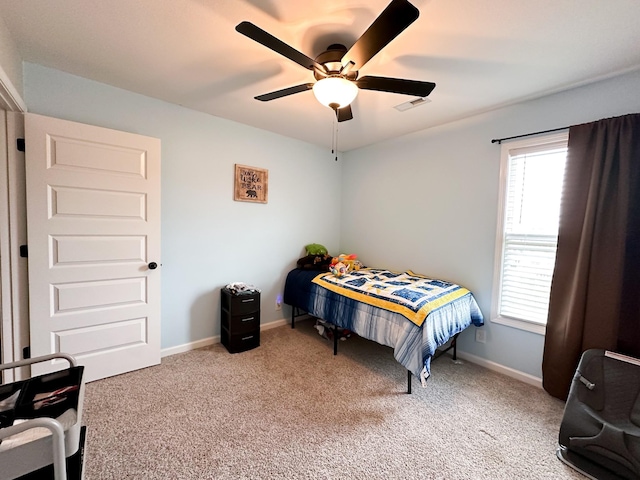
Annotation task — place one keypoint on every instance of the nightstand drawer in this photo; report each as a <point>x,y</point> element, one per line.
<point>245,323</point>
<point>241,342</point>
<point>241,304</point>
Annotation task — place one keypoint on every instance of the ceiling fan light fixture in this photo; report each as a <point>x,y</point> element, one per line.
<point>335,92</point>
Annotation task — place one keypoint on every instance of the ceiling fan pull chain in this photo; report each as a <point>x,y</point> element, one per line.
<point>334,140</point>
<point>333,137</point>
<point>336,149</point>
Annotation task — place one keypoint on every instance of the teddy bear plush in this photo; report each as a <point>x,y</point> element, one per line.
<point>315,262</point>
<point>317,258</point>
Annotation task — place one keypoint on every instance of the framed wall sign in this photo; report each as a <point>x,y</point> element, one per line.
<point>251,184</point>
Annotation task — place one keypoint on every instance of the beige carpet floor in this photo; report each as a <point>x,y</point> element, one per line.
<point>291,410</point>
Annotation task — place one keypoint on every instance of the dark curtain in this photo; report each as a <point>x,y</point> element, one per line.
<point>595,293</point>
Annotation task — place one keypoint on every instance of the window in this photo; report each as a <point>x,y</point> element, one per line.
<point>531,174</point>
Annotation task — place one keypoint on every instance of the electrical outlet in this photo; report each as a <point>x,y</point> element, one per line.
<point>278,303</point>
<point>481,336</point>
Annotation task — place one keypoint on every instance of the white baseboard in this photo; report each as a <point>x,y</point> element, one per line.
<point>496,367</point>
<point>205,342</point>
<point>274,324</point>
<point>186,347</point>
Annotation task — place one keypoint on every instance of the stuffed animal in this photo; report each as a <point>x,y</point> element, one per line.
<point>338,269</point>
<point>315,262</point>
<point>317,258</point>
<point>348,260</point>
<point>343,264</point>
<point>316,249</point>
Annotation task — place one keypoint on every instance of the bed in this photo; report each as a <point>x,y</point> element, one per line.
<point>410,313</point>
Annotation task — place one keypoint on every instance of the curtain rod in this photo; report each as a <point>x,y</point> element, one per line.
<point>500,140</point>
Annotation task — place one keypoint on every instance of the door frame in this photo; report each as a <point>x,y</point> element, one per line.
<point>14,327</point>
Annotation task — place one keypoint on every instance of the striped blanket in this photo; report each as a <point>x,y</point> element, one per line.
<point>409,294</point>
<point>413,346</point>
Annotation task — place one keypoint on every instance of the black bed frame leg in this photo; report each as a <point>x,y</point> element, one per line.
<point>293,317</point>
<point>455,347</point>
<point>409,381</point>
<point>335,340</point>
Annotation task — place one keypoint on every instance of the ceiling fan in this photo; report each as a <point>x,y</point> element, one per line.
<point>336,69</point>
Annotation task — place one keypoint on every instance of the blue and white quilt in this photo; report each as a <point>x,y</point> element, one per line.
<point>411,295</point>
<point>413,346</point>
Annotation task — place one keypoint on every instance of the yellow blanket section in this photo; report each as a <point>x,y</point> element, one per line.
<point>374,291</point>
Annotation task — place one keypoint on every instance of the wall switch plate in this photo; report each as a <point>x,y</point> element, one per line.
<point>481,336</point>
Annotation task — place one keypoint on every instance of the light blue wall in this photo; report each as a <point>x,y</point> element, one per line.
<point>428,201</point>
<point>208,239</point>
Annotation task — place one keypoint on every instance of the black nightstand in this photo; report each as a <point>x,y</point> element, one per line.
<point>240,317</point>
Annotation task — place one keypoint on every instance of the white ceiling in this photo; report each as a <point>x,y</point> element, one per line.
<point>481,54</point>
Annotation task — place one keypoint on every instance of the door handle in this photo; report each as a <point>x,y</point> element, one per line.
<point>152,266</point>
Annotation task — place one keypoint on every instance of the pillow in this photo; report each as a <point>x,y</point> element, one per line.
<point>316,249</point>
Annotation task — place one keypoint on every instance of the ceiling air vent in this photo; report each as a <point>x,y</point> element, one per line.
<point>412,104</point>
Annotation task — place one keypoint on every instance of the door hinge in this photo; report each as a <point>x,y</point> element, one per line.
<point>20,144</point>
<point>26,353</point>
<point>24,251</point>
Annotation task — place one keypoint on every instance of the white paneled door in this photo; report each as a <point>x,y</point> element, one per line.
<point>93,219</point>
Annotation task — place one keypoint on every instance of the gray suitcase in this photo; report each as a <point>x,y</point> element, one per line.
<point>600,429</point>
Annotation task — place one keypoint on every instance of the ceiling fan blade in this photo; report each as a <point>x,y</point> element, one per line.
<point>254,32</point>
<point>344,113</point>
<point>396,85</point>
<point>284,92</point>
<point>398,15</point>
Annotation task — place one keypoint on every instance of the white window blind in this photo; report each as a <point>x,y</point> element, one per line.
<point>530,230</point>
